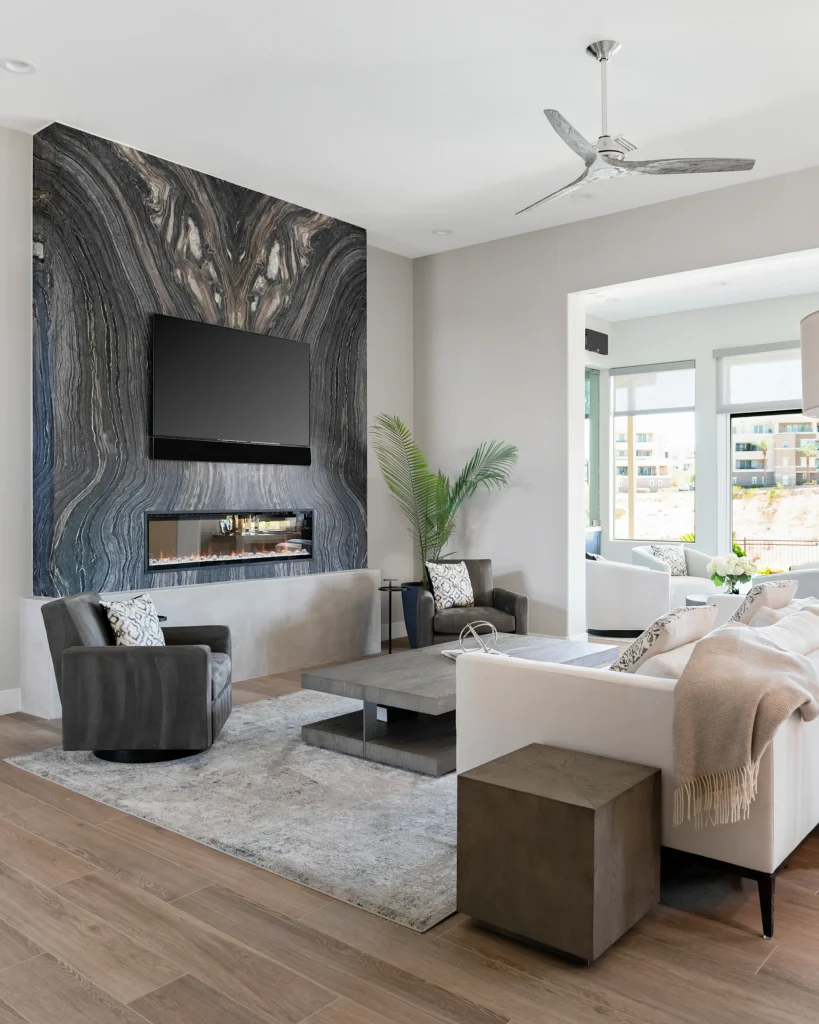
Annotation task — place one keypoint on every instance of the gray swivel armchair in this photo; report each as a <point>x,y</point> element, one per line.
<point>507,612</point>
<point>135,704</point>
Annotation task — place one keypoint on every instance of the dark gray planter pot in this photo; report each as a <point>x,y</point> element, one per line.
<point>409,599</point>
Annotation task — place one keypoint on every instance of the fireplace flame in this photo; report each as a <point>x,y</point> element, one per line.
<point>249,537</point>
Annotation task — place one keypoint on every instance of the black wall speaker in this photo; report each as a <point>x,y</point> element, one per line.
<point>596,341</point>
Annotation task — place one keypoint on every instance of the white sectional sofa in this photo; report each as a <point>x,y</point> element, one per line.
<point>505,703</point>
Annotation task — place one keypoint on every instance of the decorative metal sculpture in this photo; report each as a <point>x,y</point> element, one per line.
<point>485,643</point>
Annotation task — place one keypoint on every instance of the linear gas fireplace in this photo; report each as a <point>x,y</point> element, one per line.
<point>197,540</point>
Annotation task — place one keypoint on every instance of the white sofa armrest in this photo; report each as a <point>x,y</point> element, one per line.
<point>642,555</point>
<point>622,598</point>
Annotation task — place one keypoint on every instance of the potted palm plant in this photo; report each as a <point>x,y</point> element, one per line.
<point>429,500</point>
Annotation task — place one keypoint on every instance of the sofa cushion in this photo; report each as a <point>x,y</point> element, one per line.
<point>798,633</point>
<point>768,616</point>
<point>451,585</point>
<point>135,622</point>
<point>668,665</point>
<point>219,674</point>
<point>776,594</point>
<point>673,555</point>
<point>677,628</point>
<point>453,620</point>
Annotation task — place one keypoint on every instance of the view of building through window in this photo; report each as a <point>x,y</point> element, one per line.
<point>775,477</point>
<point>654,476</point>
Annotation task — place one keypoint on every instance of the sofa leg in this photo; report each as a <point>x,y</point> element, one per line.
<point>143,756</point>
<point>767,894</point>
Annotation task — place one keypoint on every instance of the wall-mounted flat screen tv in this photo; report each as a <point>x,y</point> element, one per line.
<point>224,395</point>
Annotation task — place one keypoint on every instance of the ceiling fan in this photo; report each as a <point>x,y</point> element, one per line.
<point>607,159</point>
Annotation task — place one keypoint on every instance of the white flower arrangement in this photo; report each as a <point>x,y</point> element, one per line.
<point>731,569</point>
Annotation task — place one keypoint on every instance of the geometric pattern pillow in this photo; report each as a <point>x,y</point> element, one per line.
<point>135,622</point>
<point>776,594</point>
<point>451,585</point>
<point>676,629</point>
<point>673,555</point>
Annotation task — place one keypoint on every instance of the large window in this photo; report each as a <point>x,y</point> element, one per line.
<point>774,455</point>
<point>654,457</point>
<point>775,503</point>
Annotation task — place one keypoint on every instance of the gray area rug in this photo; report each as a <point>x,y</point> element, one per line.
<point>374,836</point>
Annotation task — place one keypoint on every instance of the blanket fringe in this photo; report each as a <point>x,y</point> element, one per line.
<point>719,799</point>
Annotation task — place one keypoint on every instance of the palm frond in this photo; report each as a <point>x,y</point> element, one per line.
<point>491,465</point>
<point>442,521</point>
<point>407,474</point>
<point>430,501</point>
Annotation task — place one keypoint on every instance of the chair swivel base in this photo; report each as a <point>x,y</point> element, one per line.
<point>143,756</point>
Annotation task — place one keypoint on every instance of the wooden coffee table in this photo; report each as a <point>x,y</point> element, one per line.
<point>408,715</point>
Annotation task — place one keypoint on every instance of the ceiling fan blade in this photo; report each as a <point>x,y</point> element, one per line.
<point>560,192</point>
<point>572,137</point>
<point>691,165</point>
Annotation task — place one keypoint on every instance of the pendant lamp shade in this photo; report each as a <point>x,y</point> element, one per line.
<point>810,364</point>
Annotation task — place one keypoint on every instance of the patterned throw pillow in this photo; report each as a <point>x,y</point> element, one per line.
<point>135,622</point>
<point>776,594</point>
<point>680,627</point>
<point>451,585</point>
<point>673,555</point>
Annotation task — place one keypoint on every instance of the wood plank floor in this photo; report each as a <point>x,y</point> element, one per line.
<point>106,919</point>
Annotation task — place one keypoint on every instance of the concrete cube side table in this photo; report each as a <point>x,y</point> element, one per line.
<point>558,847</point>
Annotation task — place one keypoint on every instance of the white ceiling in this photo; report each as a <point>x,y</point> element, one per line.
<point>409,115</point>
<point>770,278</point>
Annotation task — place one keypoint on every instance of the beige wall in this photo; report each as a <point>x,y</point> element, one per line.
<point>389,390</point>
<point>499,352</point>
<point>15,396</point>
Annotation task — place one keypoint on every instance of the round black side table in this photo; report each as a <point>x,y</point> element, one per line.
<point>390,587</point>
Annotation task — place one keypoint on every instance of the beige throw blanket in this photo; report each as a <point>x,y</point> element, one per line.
<point>736,690</point>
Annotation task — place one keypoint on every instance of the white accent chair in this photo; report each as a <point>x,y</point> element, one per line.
<point>505,703</point>
<point>696,581</point>
<point>622,600</point>
<point>806,576</point>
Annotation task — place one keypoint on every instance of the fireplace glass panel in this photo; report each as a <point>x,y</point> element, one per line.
<point>180,540</point>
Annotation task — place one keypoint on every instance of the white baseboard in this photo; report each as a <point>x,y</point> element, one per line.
<point>398,629</point>
<point>9,701</point>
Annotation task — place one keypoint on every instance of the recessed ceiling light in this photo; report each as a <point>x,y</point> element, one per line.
<point>442,231</point>
<point>17,66</point>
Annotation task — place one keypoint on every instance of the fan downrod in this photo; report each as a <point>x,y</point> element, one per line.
<point>603,49</point>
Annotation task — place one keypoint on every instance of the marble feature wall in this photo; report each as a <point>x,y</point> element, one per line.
<point>120,235</point>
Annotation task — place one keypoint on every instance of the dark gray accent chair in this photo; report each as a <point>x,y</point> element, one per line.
<point>507,612</point>
<point>137,703</point>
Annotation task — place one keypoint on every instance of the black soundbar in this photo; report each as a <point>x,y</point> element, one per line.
<point>186,449</point>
